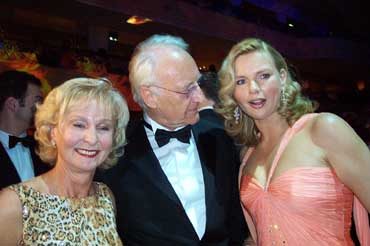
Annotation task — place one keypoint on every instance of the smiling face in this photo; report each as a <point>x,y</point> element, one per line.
<point>84,137</point>
<point>258,85</point>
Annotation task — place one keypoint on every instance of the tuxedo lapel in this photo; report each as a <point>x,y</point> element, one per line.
<point>146,161</point>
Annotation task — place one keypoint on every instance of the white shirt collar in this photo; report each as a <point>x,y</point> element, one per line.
<point>155,125</point>
<point>4,137</point>
<point>205,107</point>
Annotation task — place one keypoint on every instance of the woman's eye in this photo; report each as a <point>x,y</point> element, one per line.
<point>240,81</point>
<point>104,128</point>
<point>265,76</point>
<point>78,125</point>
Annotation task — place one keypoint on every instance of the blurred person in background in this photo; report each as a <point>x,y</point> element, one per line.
<point>19,94</point>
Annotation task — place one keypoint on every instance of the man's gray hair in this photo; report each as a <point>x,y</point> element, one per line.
<point>143,61</point>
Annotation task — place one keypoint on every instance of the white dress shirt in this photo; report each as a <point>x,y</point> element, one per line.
<point>205,107</point>
<point>20,156</point>
<point>181,164</point>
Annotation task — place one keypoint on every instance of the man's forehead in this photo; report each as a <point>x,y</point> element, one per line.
<point>176,57</point>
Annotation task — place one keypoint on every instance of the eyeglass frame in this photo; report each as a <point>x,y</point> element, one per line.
<point>189,91</point>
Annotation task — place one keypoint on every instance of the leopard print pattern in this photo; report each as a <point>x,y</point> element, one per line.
<point>59,221</point>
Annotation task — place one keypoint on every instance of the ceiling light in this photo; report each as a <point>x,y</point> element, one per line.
<point>137,20</point>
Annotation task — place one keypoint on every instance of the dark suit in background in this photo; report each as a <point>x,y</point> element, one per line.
<point>8,172</point>
<point>212,117</point>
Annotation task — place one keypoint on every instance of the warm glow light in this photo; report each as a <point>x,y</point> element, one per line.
<point>291,25</point>
<point>360,85</point>
<point>137,20</point>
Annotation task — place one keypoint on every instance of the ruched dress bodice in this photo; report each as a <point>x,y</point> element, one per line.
<point>304,206</point>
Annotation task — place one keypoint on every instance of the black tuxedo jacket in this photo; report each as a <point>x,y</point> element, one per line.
<point>8,173</point>
<point>148,209</point>
<point>212,117</point>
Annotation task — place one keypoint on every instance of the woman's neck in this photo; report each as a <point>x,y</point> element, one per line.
<point>64,183</point>
<point>272,129</point>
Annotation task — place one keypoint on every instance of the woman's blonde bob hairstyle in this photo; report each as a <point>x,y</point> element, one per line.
<point>294,105</point>
<point>61,101</point>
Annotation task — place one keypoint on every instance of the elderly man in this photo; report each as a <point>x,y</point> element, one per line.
<point>19,93</point>
<point>177,181</point>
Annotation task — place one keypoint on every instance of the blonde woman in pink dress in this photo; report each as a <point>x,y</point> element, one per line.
<point>302,173</point>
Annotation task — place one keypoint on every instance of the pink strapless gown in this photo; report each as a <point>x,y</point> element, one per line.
<point>303,206</point>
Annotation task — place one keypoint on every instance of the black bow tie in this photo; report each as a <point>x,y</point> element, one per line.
<point>163,137</point>
<point>26,141</point>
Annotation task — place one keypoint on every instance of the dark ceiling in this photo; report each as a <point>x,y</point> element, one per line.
<point>317,18</point>
<point>70,19</point>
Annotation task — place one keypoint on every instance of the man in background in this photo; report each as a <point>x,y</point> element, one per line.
<point>209,85</point>
<point>19,93</point>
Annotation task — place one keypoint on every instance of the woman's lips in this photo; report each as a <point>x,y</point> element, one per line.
<point>257,103</point>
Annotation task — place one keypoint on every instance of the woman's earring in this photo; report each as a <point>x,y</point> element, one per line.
<point>53,144</point>
<point>283,98</point>
<point>237,115</point>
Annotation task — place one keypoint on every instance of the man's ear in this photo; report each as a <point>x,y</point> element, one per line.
<point>149,98</point>
<point>11,104</point>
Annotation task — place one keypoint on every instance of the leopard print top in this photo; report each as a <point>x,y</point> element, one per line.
<point>59,221</point>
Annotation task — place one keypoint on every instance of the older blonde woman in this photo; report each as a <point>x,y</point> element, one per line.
<point>80,126</point>
<point>300,171</point>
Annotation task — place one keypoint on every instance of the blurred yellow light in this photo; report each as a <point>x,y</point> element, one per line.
<point>137,20</point>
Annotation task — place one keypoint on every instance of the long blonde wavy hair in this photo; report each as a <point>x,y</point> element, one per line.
<point>244,131</point>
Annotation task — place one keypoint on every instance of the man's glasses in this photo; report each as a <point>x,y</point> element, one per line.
<point>189,92</point>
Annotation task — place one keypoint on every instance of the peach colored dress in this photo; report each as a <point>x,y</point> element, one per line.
<point>303,206</point>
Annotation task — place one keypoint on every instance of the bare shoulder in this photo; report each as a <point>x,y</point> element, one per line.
<point>328,129</point>
<point>10,217</point>
<point>9,201</point>
<point>10,205</point>
<point>327,123</point>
